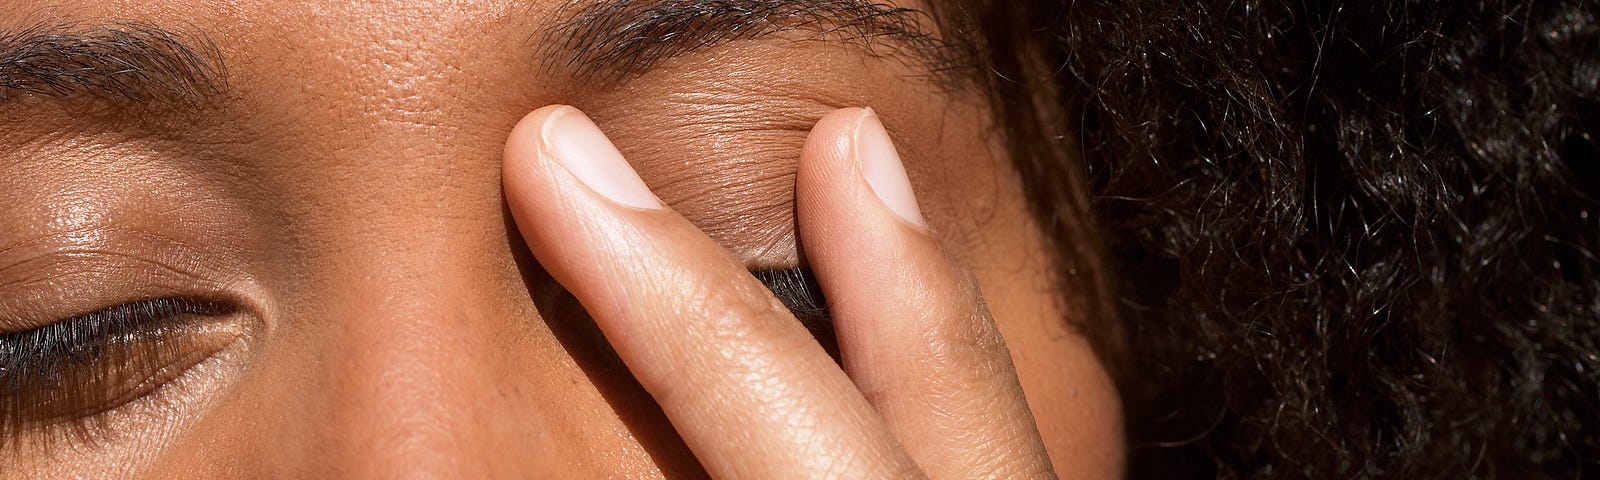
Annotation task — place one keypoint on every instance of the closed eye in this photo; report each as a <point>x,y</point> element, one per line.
<point>69,373</point>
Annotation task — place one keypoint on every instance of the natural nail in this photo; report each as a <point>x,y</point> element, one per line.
<point>586,152</point>
<point>881,166</point>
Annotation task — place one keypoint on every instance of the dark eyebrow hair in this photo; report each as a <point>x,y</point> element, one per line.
<point>119,64</point>
<point>613,39</point>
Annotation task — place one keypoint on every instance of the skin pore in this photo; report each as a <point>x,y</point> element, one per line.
<point>339,188</point>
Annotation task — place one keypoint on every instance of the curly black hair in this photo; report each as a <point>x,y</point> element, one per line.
<point>1346,239</point>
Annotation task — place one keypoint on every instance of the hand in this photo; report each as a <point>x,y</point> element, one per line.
<point>928,387</point>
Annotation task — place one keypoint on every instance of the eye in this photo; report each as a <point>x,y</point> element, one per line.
<point>70,373</point>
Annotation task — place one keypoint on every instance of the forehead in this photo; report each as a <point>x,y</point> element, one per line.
<point>404,58</point>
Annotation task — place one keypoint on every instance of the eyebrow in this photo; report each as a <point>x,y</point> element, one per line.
<point>142,65</point>
<point>119,64</point>
<point>614,39</point>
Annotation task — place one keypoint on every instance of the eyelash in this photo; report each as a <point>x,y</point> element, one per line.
<point>65,377</point>
<point>797,288</point>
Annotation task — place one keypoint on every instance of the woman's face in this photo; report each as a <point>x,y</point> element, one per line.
<point>324,177</point>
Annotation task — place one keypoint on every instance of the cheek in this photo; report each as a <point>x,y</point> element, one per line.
<point>1073,399</point>
<point>1071,394</point>
<point>975,202</point>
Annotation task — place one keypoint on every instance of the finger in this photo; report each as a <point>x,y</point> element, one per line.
<point>913,331</point>
<point>748,388</point>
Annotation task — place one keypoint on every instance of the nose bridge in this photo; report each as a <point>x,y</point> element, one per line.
<point>423,361</point>
<point>416,352</point>
<point>424,328</point>
<point>422,347</point>
<point>409,380</point>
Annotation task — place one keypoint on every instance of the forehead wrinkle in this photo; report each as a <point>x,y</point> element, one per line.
<point>615,39</point>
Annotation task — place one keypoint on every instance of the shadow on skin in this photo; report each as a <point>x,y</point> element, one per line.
<point>586,344</point>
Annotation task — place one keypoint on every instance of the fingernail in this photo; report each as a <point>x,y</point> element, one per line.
<point>881,166</point>
<point>585,151</point>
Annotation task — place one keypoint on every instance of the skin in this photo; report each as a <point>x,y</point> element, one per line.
<point>399,263</point>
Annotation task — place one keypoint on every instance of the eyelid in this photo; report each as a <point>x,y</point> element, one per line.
<point>724,162</point>
<point>85,337</point>
<point>718,137</point>
<point>57,277</point>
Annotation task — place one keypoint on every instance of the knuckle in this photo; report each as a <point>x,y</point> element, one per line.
<point>740,310</point>
<point>966,337</point>
<point>953,315</point>
<point>740,319</point>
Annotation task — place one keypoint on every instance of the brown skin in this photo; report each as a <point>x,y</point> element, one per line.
<point>392,324</point>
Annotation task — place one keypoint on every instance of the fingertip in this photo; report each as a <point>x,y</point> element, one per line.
<point>565,136</point>
<point>829,145</point>
<point>523,144</point>
<point>880,165</point>
<point>851,169</point>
